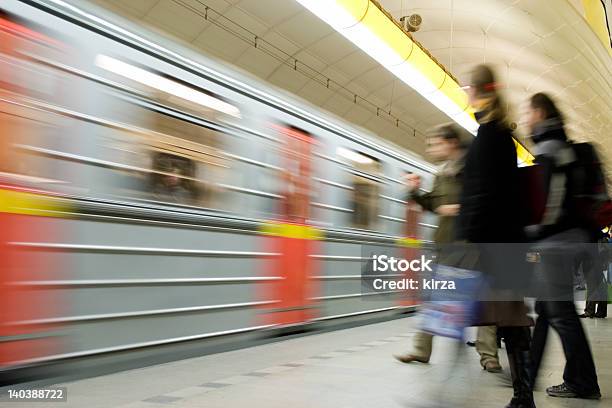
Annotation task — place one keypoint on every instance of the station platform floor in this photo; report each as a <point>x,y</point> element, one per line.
<point>346,368</point>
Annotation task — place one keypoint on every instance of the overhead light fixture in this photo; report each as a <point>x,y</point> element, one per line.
<point>353,156</point>
<point>166,85</point>
<point>366,26</point>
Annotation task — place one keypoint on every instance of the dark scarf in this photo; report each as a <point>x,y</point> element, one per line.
<point>549,129</point>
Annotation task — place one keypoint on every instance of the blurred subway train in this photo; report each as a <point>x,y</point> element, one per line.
<point>152,198</point>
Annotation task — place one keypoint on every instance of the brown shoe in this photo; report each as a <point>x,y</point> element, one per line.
<point>409,358</point>
<point>492,366</point>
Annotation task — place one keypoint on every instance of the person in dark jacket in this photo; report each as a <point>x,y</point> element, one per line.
<point>490,222</point>
<point>445,145</point>
<point>596,285</point>
<point>561,238</point>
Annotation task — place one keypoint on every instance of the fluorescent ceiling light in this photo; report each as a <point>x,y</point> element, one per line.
<point>331,12</point>
<point>164,84</point>
<point>353,156</point>
<point>368,28</point>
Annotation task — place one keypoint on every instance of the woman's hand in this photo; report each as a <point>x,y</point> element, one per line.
<point>413,181</point>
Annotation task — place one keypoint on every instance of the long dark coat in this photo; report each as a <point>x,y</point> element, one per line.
<point>489,218</point>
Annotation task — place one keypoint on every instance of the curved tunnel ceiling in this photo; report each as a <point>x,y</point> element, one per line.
<point>535,45</point>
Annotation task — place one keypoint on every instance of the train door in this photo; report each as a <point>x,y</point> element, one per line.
<point>291,237</point>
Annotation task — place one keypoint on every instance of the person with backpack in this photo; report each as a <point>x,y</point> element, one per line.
<point>444,145</point>
<point>561,237</point>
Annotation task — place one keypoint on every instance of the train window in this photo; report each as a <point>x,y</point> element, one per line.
<point>24,84</point>
<point>177,91</point>
<point>365,180</point>
<point>172,178</point>
<point>185,161</point>
<point>175,160</point>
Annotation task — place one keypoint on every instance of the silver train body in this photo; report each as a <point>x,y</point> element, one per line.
<point>136,269</point>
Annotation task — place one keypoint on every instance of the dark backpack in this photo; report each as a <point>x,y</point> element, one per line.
<point>532,201</point>
<point>591,198</point>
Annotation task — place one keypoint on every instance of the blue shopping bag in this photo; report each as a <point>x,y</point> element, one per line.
<point>447,312</point>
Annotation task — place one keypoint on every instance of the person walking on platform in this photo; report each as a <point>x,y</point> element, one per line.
<point>593,268</point>
<point>561,238</point>
<point>490,223</point>
<point>445,145</point>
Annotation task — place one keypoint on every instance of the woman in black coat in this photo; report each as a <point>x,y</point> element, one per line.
<point>490,220</point>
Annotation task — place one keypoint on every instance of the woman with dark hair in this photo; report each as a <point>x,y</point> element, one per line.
<point>490,222</point>
<point>561,240</point>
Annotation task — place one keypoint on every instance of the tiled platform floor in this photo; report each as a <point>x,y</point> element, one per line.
<point>348,368</point>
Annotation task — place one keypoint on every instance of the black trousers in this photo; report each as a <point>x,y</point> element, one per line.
<point>579,373</point>
<point>593,266</point>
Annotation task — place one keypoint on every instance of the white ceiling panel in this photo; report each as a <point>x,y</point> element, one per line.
<point>314,93</point>
<point>378,77</point>
<point>355,65</point>
<point>295,29</point>
<point>257,62</point>
<point>135,8</point>
<point>338,104</point>
<point>245,21</point>
<point>358,115</point>
<point>285,78</point>
<point>332,48</point>
<point>222,43</point>
<point>165,15</point>
<point>280,42</point>
<point>308,59</point>
<point>271,12</point>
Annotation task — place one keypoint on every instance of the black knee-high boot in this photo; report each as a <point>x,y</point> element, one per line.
<point>519,357</point>
<point>520,361</point>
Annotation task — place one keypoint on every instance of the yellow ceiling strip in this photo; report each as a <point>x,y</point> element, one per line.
<point>595,15</point>
<point>391,35</point>
<point>426,66</point>
<point>431,76</point>
<point>454,92</point>
<point>356,8</point>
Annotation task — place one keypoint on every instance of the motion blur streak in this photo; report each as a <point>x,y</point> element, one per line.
<point>165,85</point>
